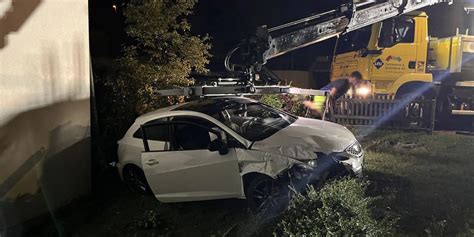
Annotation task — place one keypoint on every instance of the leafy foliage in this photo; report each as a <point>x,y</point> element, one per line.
<point>273,100</point>
<point>339,209</point>
<point>152,220</point>
<point>290,103</point>
<point>163,52</point>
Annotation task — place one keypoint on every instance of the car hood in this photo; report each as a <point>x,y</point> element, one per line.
<point>302,139</point>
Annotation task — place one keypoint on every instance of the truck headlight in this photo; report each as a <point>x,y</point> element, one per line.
<point>363,91</point>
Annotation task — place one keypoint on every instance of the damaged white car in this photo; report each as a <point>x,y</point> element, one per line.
<point>221,148</point>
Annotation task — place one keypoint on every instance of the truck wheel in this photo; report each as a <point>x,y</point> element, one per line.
<point>445,119</point>
<point>408,94</point>
<point>267,195</point>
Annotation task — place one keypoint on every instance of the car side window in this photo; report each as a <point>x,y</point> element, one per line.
<point>155,133</point>
<point>183,133</point>
<point>192,137</point>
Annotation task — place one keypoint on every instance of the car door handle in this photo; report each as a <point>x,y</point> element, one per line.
<point>152,162</point>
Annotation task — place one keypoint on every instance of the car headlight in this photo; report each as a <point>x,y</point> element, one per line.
<point>311,163</point>
<point>355,149</point>
<point>308,165</point>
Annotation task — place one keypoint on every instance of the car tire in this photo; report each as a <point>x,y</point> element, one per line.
<point>266,195</point>
<point>135,180</point>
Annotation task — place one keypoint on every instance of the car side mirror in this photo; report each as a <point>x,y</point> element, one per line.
<point>220,146</point>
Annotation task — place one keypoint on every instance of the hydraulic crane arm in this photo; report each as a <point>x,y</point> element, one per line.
<point>276,41</point>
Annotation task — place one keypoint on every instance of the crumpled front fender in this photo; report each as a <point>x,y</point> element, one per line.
<point>263,162</point>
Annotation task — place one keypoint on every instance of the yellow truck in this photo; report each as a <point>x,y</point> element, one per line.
<point>399,58</point>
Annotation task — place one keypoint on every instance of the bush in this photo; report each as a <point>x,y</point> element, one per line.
<point>290,103</point>
<point>152,220</point>
<point>339,209</point>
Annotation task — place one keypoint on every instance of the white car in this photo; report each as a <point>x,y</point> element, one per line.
<point>233,147</point>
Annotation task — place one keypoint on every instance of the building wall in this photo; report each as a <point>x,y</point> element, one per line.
<point>301,79</point>
<point>44,107</point>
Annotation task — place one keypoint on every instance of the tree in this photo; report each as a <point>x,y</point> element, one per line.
<point>163,51</point>
<point>161,54</point>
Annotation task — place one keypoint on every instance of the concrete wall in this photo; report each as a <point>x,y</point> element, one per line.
<point>44,107</point>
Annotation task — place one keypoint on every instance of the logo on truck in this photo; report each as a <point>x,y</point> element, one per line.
<point>395,58</point>
<point>378,63</point>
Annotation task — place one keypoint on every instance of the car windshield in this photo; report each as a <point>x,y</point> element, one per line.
<point>252,120</point>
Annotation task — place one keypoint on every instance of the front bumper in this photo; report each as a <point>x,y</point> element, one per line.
<point>338,164</point>
<point>354,165</point>
<point>326,167</point>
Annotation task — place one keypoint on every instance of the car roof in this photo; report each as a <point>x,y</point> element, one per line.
<point>152,114</point>
<point>192,106</point>
<point>206,104</point>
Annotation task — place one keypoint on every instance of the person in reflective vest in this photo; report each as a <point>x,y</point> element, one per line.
<point>335,89</point>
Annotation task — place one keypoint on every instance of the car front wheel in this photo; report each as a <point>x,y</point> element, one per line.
<point>135,180</point>
<point>268,196</point>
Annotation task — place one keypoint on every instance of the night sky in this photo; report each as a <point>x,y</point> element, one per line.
<point>230,21</point>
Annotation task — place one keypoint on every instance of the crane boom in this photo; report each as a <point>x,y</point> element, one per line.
<point>348,17</point>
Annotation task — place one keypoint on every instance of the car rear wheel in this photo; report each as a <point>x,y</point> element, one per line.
<point>135,180</point>
<point>267,195</point>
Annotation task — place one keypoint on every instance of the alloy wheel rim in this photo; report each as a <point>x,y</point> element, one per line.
<point>135,182</point>
<point>268,195</point>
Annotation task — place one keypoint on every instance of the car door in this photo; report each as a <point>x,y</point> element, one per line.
<point>187,170</point>
<point>398,44</point>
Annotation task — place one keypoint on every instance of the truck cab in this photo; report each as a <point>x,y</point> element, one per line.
<point>390,54</point>
<point>400,59</point>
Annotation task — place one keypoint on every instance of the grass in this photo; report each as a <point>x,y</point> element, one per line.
<point>427,181</point>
